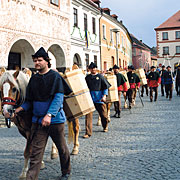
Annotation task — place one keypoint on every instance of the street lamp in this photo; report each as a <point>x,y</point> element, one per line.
<point>115,30</point>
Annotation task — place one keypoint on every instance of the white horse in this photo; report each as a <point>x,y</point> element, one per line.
<point>13,89</point>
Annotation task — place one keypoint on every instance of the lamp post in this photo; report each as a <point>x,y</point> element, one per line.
<point>116,31</point>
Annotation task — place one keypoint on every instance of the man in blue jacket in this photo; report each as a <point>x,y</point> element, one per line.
<point>98,87</point>
<point>45,95</point>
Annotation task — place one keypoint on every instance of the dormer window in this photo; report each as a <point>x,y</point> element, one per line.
<point>55,2</point>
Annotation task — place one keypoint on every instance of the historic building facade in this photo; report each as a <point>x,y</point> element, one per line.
<point>168,41</point>
<point>85,48</point>
<point>115,42</point>
<point>141,55</point>
<point>26,25</point>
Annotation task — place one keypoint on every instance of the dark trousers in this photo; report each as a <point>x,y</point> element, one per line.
<point>131,94</point>
<point>142,89</point>
<point>178,88</point>
<point>102,110</point>
<point>39,140</point>
<point>169,90</point>
<point>117,104</point>
<point>162,89</point>
<point>155,89</point>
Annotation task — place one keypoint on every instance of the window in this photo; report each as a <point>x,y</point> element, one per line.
<point>112,58</point>
<point>111,36</point>
<point>177,49</point>
<point>75,17</point>
<point>165,35</point>
<point>165,50</point>
<point>94,25</point>
<point>55,2</point>
<point>87,59</point>
<point>104,31</point>
<point>85,22</point>
<point>177,34</point>
<point>95,60</point>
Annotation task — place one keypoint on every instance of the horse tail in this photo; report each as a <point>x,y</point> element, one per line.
<point>70,132</point>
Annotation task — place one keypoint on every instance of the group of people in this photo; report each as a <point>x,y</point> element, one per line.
<point>45,95</point>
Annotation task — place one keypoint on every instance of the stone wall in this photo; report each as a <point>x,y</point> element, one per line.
<point>38,23</point>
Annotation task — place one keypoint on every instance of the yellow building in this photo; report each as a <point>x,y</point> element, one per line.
<point>115,42</point>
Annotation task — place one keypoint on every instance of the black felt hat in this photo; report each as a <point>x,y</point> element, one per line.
<point>115,67</point>
<point>152,67</point>
<point>163,66</point>
<point>168,67</point>
<point>92,66</point>
<point>41,53</point>
<point>131,67</point>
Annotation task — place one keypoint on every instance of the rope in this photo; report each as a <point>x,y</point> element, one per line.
<point>75,95</point>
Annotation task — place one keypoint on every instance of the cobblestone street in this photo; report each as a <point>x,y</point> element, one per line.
<point>141,145</point>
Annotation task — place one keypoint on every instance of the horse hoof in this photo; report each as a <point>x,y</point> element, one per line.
<point>42,165</point>
<point>74,152</point>
<point>98,123</point>
<point>22,177</point>
<point>54,155</point>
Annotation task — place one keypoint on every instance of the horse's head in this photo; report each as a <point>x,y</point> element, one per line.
<point>13,89</point>
<point>10,93</point>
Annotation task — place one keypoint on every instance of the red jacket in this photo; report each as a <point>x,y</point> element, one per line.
<point>154,79</point>
<point>123,87</point>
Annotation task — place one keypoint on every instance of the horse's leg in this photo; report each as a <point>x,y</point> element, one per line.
<point>108,111</point>
<point>125,101</point>
<point>26,159</point>
<point>76,135</point>
<point>54,151</point>
<point>99,121</point>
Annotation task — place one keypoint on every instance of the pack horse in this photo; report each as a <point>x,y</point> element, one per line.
<point>13,89</point>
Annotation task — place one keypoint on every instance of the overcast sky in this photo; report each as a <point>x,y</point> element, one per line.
<point>142,16</point>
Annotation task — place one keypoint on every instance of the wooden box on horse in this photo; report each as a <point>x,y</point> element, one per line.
<point>125,75</point>
<point>80,102</point>
<point>113,90</point>
<point>140,72</point>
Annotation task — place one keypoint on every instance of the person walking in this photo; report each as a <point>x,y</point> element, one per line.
<point>134,82</point>
<point>153,82</point>
<point>162,79</point>
<point>177,74</point>
<point>168,82</point>
<point>122,88</point>
<point>45,95</point>
<point>98,87</point>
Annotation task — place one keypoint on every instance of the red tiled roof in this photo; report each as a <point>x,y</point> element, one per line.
<point>172,22</point>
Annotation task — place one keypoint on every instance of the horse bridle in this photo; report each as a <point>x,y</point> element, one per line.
<point>13,102</point>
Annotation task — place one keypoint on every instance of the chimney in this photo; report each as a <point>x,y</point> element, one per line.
<point>106,10</point>
<point>97,2</point>
<point>121,21</point>
<point>115,16</point>
<point>141,41</point>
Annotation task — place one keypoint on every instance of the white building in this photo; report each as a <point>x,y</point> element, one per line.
<point>85,27</point>
<point>26,25</point>
<point>168,41</point>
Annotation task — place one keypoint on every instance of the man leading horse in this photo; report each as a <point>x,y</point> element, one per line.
<point>45,95</point>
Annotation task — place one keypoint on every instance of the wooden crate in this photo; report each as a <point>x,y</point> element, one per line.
<point>80,102</point>
<point>125,75</point>
<point>140,72</point>
<point>113,90</point>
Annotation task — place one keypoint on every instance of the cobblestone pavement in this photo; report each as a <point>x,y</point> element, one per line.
<point>141,145</point>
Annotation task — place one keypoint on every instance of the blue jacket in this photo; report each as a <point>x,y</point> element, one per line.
<point>54,107</point>
<point>97,95</point>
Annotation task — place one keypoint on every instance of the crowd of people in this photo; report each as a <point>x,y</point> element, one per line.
<point>45,94</point>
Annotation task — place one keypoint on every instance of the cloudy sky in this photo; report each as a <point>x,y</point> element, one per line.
<point>142,16</point>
